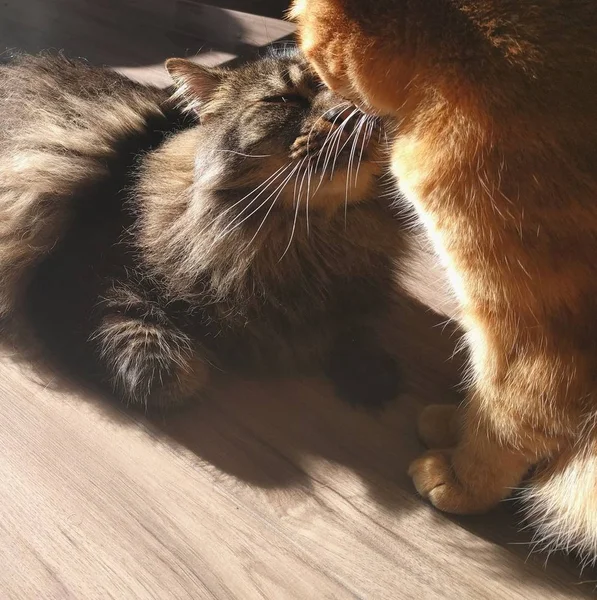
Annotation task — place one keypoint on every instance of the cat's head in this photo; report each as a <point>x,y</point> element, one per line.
<point>271,123</point>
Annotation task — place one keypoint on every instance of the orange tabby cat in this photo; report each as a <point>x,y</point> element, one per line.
<point>497,150</point>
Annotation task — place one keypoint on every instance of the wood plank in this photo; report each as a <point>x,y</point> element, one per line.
<point>266,491</point>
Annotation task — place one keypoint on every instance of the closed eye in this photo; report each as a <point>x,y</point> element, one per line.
<point>286,99</point>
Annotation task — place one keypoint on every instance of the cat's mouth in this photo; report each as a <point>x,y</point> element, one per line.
<point>338,161</point>
<point>346,141</point>
<point>332,163</point>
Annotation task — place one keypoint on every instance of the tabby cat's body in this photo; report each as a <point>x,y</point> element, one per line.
<point>130,242</point>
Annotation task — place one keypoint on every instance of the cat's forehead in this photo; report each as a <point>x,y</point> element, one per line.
<point>280,73</point>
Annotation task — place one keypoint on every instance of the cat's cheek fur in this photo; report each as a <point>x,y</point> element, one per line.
<point>350,62</point>
<point>348,186</point>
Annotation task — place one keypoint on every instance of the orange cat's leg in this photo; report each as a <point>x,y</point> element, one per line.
<point>475,475</point>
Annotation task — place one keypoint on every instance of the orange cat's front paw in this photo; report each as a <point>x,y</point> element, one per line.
<point>438,426</point>
<point>434,479</point>
<point>432,476</point>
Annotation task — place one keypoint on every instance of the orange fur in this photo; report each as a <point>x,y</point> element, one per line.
<point>496,149</point>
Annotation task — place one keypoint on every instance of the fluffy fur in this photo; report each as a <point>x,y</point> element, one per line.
<point>151,239</point>
<point>61,126</point>
<point>496,150</point>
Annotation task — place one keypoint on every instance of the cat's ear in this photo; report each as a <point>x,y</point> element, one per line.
<point>195,84</point>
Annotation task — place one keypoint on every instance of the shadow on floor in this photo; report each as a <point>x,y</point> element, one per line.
<point>297,435</point>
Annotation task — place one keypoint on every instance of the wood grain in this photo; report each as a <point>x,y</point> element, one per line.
<point>267,490</point>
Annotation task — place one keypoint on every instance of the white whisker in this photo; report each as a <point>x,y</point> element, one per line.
<point>298,203</point>
<point>334,142</point>
<point>351,155</point>
<point>309,174</point>
<point>330,136</point>
<point>340,149</point>
<point>320,118</point>
<point>368,133</point>
<point>286,180</point>
<point>245,155</point>
<point>265,183</point>
<point>233,225</point>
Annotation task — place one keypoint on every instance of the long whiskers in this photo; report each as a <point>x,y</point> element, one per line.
<point>245,155</point>
<point>344,104</point>
<point>268,193</point>
<point>297,202</point>
<point>337,141</point>
<point>285,183</point>
<point>356,132</point>
<point>309,174</point>
<point>332,141</point>
<point>235,223</point>
<point>339,149</point>
<point>265,184</point>
<point>370,126</point>
<point>324,147</point>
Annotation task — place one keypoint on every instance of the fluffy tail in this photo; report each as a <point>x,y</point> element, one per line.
<point>562,503</point>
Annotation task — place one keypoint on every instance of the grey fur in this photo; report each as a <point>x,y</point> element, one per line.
<point>181,275</point>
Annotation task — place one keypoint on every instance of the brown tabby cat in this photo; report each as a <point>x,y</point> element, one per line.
<point>497,151</point>
<point>153,244</point>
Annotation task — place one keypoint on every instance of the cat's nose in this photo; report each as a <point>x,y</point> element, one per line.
<point>344,117</point>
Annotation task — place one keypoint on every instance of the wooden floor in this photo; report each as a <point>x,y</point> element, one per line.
<point>268,490</point>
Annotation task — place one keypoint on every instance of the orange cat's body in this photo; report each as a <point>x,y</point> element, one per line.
<point>497,150</point>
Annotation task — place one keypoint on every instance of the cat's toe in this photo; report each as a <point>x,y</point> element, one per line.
<point>301,147</point>
<point>434,479</point>
<point>429,472</point>
<point>438,426</point>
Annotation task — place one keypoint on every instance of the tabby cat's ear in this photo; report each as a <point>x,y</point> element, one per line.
<point>195,84</point>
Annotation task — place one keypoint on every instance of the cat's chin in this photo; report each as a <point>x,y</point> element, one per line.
<point>344,188</point>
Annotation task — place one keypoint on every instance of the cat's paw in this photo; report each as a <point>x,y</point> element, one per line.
<point>434,479</point>
<point>438,426</point>
<point>302,146</point>
<point>308,144</point>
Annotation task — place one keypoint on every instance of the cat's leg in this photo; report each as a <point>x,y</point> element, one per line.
<point>149,361</point>
<point>480,471</point>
